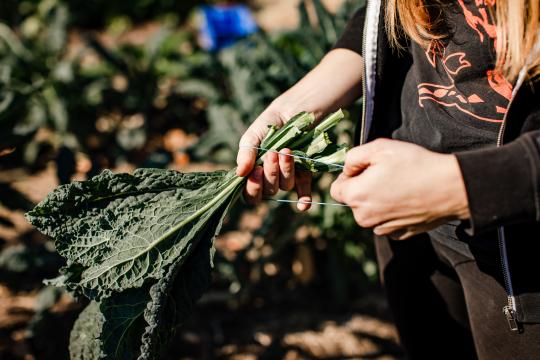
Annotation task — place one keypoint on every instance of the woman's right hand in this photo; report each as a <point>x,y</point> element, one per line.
<point>278,170</point>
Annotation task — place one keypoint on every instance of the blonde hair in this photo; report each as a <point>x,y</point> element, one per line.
<point>517,26</point>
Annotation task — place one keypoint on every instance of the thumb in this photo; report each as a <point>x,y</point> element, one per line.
<point>361,157</point>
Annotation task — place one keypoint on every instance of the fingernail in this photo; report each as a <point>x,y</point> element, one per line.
<point>303,203</point>
<point>286,158</point>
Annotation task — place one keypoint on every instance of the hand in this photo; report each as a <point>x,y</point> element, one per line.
<point>401,189</point>
<point>339,67</point>
<point>278,171</point>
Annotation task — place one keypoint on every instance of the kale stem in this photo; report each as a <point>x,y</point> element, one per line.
<point>329,122</point>
<point>318,144</point>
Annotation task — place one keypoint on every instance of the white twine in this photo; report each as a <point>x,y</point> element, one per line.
<point>307,202</point>
<point>304,158</point>
<point>292,155</point>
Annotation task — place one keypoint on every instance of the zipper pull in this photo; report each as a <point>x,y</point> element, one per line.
<point>511,318</point>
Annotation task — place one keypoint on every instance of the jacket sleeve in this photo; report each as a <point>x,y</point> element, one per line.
<point>503,184</point>
<point>352,36</point>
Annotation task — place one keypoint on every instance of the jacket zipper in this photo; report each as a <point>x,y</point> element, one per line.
<point>510,309</point>
<point>373,9</point>
<point>364,86</point>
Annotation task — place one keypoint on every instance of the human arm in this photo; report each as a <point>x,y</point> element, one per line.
<point>503,184</point>
<point>334,83</point>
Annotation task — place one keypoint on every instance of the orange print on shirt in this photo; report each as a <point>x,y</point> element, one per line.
<point>477,17</point>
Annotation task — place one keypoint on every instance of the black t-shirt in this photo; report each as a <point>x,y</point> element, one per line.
<point>453,99</point>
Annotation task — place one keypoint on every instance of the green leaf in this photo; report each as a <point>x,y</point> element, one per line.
<point>328,163</point>
<point>330,121</point>
<point>84,343</point>
<point>139,323</point>
<point>123,323</point>
<point>9,38</point>
<point>122,229</point>
<point>57,109</point>
<point>326,22</point>
<point>304,16</point>
<point>174,298</point>
<point>199,88</point>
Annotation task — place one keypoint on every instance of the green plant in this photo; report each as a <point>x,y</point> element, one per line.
<point>109,109</point>
<point>129,98</point>
<point>98,13</point>
<point>141,246</point>
<point>32,71</point>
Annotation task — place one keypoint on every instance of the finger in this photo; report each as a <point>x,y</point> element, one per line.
<point>338,189</point>
<point>254,186</point>
<point>356,161</point>
<point>405,234</point>
<point>247,153</point>
<point>389,226</point>
<point>286,170</point>
<point>303,188</point>
<point>361,157</point>
<point>271,173</point>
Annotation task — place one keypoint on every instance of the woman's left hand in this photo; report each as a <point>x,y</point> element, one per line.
<point>401,189</point>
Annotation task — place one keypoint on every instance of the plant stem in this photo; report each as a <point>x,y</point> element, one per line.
<point>329,122</point>
<point>318,144</point>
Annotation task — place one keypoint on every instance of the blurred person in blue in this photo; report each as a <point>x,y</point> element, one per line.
<point>222,25</point>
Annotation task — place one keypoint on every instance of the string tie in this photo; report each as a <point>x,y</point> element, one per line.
<point>304,158</point>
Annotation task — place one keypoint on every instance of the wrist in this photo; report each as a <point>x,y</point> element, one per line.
<point>289,104</point>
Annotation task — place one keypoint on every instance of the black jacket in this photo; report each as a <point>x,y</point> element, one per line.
<point>503,183</point>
